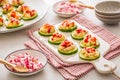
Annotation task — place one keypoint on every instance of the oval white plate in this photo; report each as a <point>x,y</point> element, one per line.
<point>39,5</point>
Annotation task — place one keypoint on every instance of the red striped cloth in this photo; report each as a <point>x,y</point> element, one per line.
<point>75,71</point>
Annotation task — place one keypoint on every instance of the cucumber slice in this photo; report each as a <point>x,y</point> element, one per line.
<point>68,30</point>
<point>82,56</point>
<point>11,27</point>
<point>82,45</point>
<point>16,4</point>
<point>1,24</point>
<point>17,15</point>
<point>56,42</point>
<point>77,38</point>
<point>3,2</point>
<point>30,18</point>
<point>5,12</point>
<point>68,52</point>
<point>2,21</point>
<point>45,34</point>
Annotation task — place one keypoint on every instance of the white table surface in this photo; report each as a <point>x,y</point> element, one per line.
<point>10,42</point>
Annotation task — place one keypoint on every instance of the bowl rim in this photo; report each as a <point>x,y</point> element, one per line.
<point>108,20</point>
<point>102,12</point>
<point>22,50</point>
<point>108,16</point>
<point>53,8</point>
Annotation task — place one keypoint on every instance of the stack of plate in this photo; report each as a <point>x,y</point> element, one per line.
<point>108,12</point>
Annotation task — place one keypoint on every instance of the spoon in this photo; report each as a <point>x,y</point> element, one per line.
<point>83,5</point>
<point>15,67</point>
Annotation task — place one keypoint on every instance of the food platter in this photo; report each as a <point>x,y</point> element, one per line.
<point>71,58</point>
<point>100,63</point>
<point>40,6</point>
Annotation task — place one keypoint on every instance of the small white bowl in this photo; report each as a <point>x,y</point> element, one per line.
<point>108,7</point>
<point>64,15</point>
<point>42,58</point>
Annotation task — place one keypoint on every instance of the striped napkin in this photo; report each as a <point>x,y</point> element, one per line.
<point>75,71</point>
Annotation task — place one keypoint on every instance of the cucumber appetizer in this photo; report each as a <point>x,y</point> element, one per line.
<point>67,26</point>
<point>78,34</point>
<point>56,38</point>
<point>46,30</point>
<point>16,3</point>
<point>89,41</point>
<point>13,14</point>
<point>29,15</point>
<point>1,21</point>
<point>13,23</point>
<point>21,9</point>
<point>89,54</point>
<point>6,8</point>
<point>67,48</point>
<point>2,2</point>
<point>15,11</point>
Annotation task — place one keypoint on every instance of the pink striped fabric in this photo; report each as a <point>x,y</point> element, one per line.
<point>75,71</point>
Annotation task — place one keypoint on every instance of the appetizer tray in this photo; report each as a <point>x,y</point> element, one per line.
<point>40,6</point>
<point>74,58</point>
<point>101,64</point>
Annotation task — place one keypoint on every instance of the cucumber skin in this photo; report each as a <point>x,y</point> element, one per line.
<point>53,42</point>
<point>76,38</point>
<point>82,46</point>
<point>5,12</point>
<point>14,26</point>
<point>89,59</point>
<point>44,34</point>
<point>68,30</point>
<point>73,52</point>
<point>17,5</point>
<point>28,19</point>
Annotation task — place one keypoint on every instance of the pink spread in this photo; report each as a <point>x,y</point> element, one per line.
<point>30,62</point>
<point>69,8</point>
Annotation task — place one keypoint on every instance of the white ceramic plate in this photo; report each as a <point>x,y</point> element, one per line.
<point>103,48</point>
<point>41,57</point>
<point>39,5</point>
<point>102,65</point>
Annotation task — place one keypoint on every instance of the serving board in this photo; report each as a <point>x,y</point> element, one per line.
<point>74,58</point>
<point>39,5</point>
